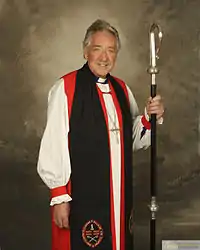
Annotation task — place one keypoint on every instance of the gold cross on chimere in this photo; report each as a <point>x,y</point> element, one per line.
<point>116,131</point>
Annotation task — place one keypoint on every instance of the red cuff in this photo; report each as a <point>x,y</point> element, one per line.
<point>58,191</point>
<point>146,123</point>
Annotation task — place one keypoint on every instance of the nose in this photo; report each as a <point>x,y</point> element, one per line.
<point>104,55</point>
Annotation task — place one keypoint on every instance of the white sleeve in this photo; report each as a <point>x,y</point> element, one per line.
<point>54,162</point>
<point>141,135</point>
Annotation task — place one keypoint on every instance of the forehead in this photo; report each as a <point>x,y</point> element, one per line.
<point>103,38</point>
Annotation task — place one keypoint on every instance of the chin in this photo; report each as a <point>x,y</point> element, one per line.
<point>103,73</point>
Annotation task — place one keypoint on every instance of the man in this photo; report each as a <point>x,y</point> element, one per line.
<point>86,151</point>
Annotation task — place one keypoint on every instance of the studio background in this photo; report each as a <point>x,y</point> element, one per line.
<point>40,41</point>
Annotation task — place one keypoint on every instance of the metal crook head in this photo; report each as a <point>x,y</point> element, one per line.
<point>156,36</point>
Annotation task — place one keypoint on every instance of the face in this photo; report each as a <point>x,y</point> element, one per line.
<point>101,53</point>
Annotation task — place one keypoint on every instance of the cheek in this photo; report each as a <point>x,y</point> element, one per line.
<point>92,57</point>
<point>113,58</point>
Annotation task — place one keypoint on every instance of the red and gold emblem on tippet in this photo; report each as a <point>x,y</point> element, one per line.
<point>92,233</point>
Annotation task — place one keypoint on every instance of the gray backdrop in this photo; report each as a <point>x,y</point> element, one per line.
<point>41,40</point>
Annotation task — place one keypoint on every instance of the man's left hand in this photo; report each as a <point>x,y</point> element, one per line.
<point>155,106</point>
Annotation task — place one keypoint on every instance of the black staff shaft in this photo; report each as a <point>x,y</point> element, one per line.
<point>153,183</point>
<point>155,42</point>
<point>153,147</point>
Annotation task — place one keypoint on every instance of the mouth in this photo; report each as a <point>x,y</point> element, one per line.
<point>103,65</point>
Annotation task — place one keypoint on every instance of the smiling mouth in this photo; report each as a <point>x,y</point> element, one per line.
<point>103,64</point>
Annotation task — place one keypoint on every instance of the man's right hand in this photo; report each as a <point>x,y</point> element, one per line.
<point>61,215</point>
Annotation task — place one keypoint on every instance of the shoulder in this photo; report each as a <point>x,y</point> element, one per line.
<point>129,94</point>
<point>56,86</point>
<point>120,81</point>
<point>123,85</point>
<point>69,77</point>
<point>63,81</point>
<point>56,90</point>
<point>69,81</point>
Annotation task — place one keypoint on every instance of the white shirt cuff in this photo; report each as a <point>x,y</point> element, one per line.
<point>146,115</point>
<point>60,199</point>
<point>160,121</point>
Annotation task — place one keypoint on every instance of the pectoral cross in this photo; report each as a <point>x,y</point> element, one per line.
<point>116,131</point>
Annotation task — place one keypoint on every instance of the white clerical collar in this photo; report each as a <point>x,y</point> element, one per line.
<point>103,85</point>
<point>101,80</point>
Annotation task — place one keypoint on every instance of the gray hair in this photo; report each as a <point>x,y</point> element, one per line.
<point>101,25</point>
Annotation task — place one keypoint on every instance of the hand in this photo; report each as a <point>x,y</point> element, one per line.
<point>61,215</point>
<point>155,106</point>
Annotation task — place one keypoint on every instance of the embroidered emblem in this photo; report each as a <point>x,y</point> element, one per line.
<point>130,224</point>
<point>92,233</point>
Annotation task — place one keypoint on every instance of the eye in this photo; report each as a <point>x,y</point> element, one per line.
<point>96,48</point>
<point>111,50</point>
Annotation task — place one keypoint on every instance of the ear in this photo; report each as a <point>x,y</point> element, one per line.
<point>85,53</point>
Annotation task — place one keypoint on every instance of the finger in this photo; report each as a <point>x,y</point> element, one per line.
<point>156,98</point>
<point>58,223</point>
<point>157,112</point>
<point>65,223</point>
<point>156,102</point>
<point>58,220</point>
<point>156,109</point>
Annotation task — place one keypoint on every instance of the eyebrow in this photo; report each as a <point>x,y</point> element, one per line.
<point>99,46</point>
